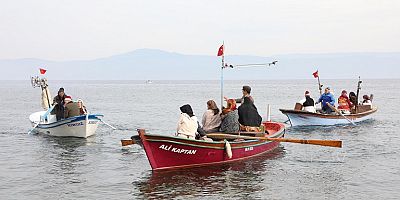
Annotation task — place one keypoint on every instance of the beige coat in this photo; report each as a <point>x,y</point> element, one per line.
<point>187,126</point>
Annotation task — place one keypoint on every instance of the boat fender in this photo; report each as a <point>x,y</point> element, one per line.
<point>228,149</point>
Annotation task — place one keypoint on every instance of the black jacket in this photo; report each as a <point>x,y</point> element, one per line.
<point>248,114</point>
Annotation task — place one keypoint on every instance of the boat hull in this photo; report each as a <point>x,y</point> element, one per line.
<point>303,118</point>
<point>167,152</point>
<point>79,126</point>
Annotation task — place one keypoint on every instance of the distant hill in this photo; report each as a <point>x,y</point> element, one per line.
<point>151,64</point>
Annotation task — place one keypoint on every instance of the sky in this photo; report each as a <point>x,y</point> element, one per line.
<point>63,30</point>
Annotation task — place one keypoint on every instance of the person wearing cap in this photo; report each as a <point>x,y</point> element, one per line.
<point>246,93</point>
<point>187,123</point>
<point>71,108</point>
<point>327,98</point>
<point>308,102</point>
<point>344,103</point>
<point>58,101</point>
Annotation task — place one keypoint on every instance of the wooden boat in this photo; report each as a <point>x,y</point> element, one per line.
<point>79,126</point>
<point>169,152</point>
<point>298,117</point>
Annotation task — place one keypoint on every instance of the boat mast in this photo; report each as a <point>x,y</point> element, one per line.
<point>358,91</point>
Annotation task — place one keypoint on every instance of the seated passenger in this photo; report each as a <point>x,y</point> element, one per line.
<point>211,119</point>
<point>187,123</point>
<point>82,107</point>
<point>344,103</point>
<point>308,102</point>
<point>366,100</point>
<point>230,118</point>
<point>353,99</point>
<point>249,119</point>
<point>71,108</point>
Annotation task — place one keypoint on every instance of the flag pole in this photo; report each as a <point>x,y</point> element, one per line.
<point>222,77</point>
<point>319,86</point>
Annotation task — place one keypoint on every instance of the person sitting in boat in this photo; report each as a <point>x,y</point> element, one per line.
<point>366,100</point>
<point>327,98</point>
<point>82,107</point>
<point>187,123</point>
<point>308,102</point>
<point>344,103</point>
<point>59,102</point>
<point>246,93</point>
<point>353,99</point>
<point>230,118</point>
<point>71,108</point>
<point>249,119</point>
<point>211,120</point>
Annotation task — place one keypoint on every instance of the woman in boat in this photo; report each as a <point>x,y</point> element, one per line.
<point>353,99</point>
<point>366,100</point>
<point>71,108</point>
<point>308,102</point>
<point>82,107</point>
<point>187,124</point>
<point>344,103</point>
<point>211,120</point>
<point>230,118</point>
<point>249,119</point>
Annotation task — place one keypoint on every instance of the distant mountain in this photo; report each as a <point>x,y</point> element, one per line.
<point>151,64</point>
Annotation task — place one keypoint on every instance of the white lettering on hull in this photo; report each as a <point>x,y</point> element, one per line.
<point>177,150</point>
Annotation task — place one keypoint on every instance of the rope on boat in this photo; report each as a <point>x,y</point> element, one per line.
<point>108,124</point>
<point>228,149</point>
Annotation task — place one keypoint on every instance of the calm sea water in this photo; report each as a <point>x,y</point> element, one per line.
<point>42,167</point>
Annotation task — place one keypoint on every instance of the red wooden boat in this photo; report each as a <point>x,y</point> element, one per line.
<point>169,152</point>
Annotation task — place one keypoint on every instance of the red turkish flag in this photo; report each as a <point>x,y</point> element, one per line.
<point>315,74</point>
<point>42,71</point>
<point>221,51</point>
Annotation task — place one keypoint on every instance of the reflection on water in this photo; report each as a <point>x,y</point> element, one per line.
<point>238,179</point>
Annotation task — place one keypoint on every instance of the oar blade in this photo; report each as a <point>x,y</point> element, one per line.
<point>127,142</point>
<point>329,143</point>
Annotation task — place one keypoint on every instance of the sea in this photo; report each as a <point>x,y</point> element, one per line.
<point>40,167</point>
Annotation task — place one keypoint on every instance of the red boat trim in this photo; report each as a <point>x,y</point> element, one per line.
<point>211,163</point>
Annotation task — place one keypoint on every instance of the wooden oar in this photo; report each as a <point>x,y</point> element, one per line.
<point>340,113</point>
<point>127,142</point>
<point>330,143</point>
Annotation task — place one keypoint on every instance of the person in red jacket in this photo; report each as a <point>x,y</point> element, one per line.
<point>344,102</point>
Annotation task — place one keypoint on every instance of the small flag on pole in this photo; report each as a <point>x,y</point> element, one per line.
<point>42,71</point>
<point>315,74</point>
<point>221,51</point>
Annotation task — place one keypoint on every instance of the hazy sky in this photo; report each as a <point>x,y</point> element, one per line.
<point>88,29</point>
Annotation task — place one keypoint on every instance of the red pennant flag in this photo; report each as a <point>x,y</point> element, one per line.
<point>315,74</point>
<point>221,51</point>
<point>42,71</point>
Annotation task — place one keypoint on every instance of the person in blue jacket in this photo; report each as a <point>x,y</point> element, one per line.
<point>326,98</point>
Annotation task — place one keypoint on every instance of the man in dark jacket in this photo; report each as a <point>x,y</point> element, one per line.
<point>248,114</point>
<point>59,107</point>
<point>71,108</point>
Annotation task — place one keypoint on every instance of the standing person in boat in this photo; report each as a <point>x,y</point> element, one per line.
<point>344,103</point>
<point>249,119</point>
<point>246,90</point>
<point>71,108</point>
<point>187,123</point>
<point>59,102</point>
<point>230,118</point>
<point>308,102</point>
<point>211,120</point>
<point>326,98</point>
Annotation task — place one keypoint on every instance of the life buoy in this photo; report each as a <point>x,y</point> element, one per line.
<point>228,149</point>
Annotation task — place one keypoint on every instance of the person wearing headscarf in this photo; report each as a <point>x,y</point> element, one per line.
<point>344,103</point>
<point>230,118</point>
<point>187,123</point>
<point>211,120</point>
<point>249,118</point>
